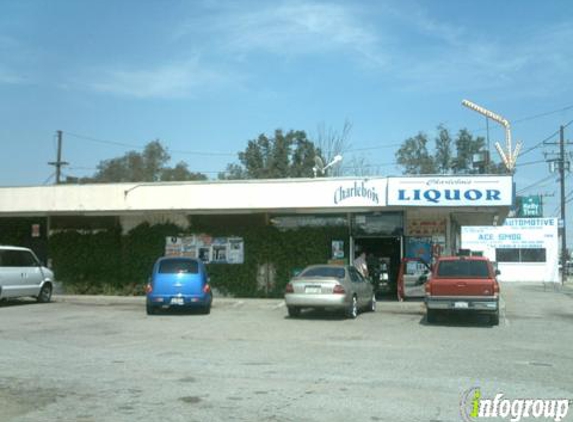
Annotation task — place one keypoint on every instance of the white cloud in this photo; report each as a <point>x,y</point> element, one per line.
<point>8,77</point>
<point>457,58</point>
<point>291,29</point>
<point>174,80</point>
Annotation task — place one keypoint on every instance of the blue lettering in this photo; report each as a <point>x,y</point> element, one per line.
<point>432,195</point>
<point>452,195</point>
<point>493,195</point>
<point>402,195</point>
<point>473,195</point>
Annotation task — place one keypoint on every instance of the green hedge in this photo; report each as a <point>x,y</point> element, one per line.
<point>109,262</point>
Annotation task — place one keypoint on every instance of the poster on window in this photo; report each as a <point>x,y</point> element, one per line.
<point>338,249</point>
<point>419,247</point>
<point>220,250</point>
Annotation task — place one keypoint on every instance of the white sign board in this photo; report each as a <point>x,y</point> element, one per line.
<point>518,234</point>
<point>436,191</point>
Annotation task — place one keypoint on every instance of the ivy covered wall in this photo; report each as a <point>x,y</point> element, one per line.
<point>105,261</point>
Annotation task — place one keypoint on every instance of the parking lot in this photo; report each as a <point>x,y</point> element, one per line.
<point>95,359</point>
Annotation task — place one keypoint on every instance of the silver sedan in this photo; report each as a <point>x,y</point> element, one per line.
<point>330,287</point>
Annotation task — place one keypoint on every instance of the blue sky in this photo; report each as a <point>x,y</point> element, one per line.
<point>204,77</point>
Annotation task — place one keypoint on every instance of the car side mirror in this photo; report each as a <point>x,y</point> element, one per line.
<point>497,272</point>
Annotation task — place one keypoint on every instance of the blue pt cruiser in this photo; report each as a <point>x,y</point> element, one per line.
<point>178,282</point>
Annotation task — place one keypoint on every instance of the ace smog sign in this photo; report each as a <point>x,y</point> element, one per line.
<point>450,191</point>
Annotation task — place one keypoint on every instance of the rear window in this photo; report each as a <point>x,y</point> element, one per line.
<point>463,268</point>
<point>330,272</point>
<point>176,266</point>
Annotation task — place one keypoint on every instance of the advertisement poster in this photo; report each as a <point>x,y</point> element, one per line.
<point>221,250</point>
<point>338,249</point>
<point>420,227</point>
<point>419,247</point>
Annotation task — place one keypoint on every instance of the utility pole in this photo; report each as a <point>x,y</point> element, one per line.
<point>59,163</point>
<point>561,165</point>
<point>562,181</point>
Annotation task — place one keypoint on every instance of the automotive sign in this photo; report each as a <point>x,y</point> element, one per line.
<point>450,191</point>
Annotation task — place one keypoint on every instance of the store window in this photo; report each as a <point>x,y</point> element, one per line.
<point>384,224</point>
<point>292,222</point>
<point>520,255</point>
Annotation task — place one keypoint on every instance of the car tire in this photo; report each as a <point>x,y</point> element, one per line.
<point>431,316</point>
<point>150,310</point>
<point>372,304</point>
<point>293,312</point>
<point>45,294</point>
<point>494,318</point>
<point>352,311</point>
<point>206,310</point>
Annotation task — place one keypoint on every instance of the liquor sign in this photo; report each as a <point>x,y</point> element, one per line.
<point>448,191</point>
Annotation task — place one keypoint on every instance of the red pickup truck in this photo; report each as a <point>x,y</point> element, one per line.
<point>459,283</point>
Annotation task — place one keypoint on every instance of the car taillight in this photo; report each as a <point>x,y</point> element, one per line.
<point>289,288</point>
<point>207,289</point>
<point>148,288</point>
<point>338,289</point>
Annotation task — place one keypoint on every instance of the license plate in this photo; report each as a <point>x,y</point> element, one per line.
<point>177,301</point>
<point>461,305</point>
<point>312,290</point>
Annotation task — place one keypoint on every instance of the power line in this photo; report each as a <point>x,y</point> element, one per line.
<point>533,117</point>
<point>48,179</point>
<point>123,144</point>
<point>540,143</point>
<point>530,163</point>
<point>539,182</point>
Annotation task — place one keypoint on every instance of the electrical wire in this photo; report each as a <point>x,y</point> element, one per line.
<point>48,179</point>
<point>140,147</point>
<point>530,163</point>
<point>533,117</point>
<point>539,182</point>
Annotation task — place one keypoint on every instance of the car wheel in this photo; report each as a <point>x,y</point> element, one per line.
<point>352,311</point>
<point>494,318</point>
<point>206,310</point>
<point>45,294</point>
<point>150,310</point>
<point>431,316</point>
<point>293,312</point>
<point>372,304</point>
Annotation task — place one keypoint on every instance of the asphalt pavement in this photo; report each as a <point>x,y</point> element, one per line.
<point>98,359</point>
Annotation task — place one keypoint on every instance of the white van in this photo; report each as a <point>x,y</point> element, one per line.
<point>22,274</point>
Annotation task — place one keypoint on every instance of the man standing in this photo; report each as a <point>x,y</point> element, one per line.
<point>360,264</point>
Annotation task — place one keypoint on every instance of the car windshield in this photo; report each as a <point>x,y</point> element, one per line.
<point>463,268</point>
<point>175,266</point>
<point>330,272</point>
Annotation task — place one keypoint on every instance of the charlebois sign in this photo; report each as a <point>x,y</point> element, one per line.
<point>356,191</point>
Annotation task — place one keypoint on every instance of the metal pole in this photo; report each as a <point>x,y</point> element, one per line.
<point>487,157</point>
<point>59,159</point>
<point>563,228</point>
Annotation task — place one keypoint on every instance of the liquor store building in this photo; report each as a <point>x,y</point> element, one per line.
<point>391,217</point>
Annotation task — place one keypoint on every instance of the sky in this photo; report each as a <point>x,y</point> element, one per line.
<point>205,77</point>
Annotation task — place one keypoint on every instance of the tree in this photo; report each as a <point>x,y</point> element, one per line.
<point>332,143</point>
<point>415,158</point>
<point>443,156</point>
<point>466,147</point>
<point>282,156</point>
<point>180,173</point>
<point>147,166</point>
